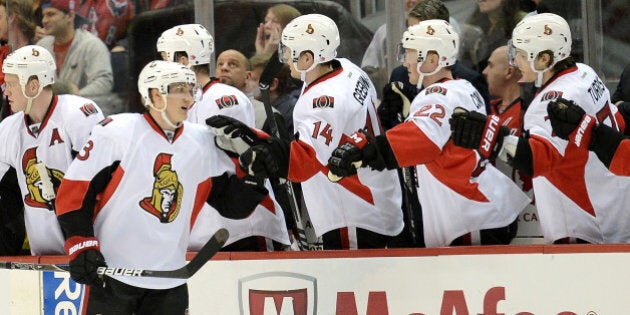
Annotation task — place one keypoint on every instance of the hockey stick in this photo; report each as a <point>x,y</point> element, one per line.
<point>208,250</point>
<point>408,173</point>
<point>306,237</point>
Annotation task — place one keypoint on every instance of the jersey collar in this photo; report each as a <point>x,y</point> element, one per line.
<point>337,69</point>
<point>573,68</point>
<point>159,130</point>
<point>49,111</point>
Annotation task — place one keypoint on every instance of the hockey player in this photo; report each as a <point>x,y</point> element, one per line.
<point>578,199</point>
<point>361,211</point>
<point>458,194</point>
<point>132,194</point>
<point>611,146</point>
<point>193,46</point>
<point>40,140</point>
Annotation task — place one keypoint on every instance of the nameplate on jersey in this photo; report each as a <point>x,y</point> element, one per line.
<point>551,95</point>
<point>88,109</point>
<point>226,101</point>
<point>435,89</point>
<point>361,89</point>
<point>324,101</point>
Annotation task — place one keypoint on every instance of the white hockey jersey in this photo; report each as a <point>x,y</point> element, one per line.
<point>268,218</point>
<point>457,196</point>
<point>329,110</point>
<point>157,187</point>
<point>65,128</point>
<point>576,195</point>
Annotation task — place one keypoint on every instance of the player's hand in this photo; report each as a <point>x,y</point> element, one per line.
<point>258,161</point>
<point>85,259</point>
<point>565,116</point>
<point>393,102</point>
<point>233,136</point>
<point>473,130</point>
<point>360,151</point>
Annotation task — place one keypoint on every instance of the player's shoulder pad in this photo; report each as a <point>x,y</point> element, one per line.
<point>225,96</point>
<point>78,106</point>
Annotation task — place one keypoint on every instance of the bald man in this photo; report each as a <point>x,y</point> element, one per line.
<point>502,81</point>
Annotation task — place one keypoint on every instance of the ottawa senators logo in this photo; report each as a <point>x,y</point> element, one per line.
<point>548,30</point>
<point>551,95</point>
<point>88,109</point>
<point>166,198</point>
<point>310,29</point>
<point>226,101</point>
<point>41,182</point>
<point>324,101</point>
<point>435,89</point>
<point>35,52</point>
<point>430,30</point>
<point>180,32</point>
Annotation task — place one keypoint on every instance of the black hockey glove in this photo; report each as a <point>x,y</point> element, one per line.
<point>564,116</point>
<point>473,130</point>
<point>394,105</point>
<point>360,151</point>
<point>85,259</point>
<point>233,136</point>
<point>269,159</point>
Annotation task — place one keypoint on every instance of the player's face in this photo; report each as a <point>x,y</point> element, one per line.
<point>411,63</point>
<point>14,93</point>
<point>55,21</point>
<point>179,98</point>
<point>528,74</point>
<point>232,69</point>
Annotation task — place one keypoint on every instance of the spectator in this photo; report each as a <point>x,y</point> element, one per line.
<point>458,196</point>
<point>193,46</point>
<point>46,132</point>
<point>362,211</point>
<point>578,200</point>
<point>487,28</point>
<point>268,33</point>
<point>76,51</point>
<point>157,171</point>
<point>15,33</point>
<point>107,19</point>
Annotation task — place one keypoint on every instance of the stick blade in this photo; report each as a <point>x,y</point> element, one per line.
<point>208,250</point>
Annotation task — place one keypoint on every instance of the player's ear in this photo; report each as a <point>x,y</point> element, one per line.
<point>274,84</point>
<point>183,60</point>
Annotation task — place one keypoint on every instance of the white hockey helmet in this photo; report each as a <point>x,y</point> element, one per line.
<point>432,35</point>
<point>31,60</point>
<point>159,75</point>
<point>316,33</point>
<point>541,32</point>
<point>194,39</point>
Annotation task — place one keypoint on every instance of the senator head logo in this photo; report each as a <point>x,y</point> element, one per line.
<point>41,182</point>
<point>166,199</point>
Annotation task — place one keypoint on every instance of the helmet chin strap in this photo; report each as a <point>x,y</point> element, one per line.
<point>29,100</point>
<point>539,73</point>
<point>421,74</point>
<point>163,114</point>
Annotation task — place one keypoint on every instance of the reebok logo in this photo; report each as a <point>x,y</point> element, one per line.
<point>580,131</point>
<point>491,129</point>
<point>82,245</point>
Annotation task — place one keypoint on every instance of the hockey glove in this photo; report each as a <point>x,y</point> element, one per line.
<point>474,130</point>
<point>395,105</point>
<point>233,136</point>
<point>85,259</point>
<point>269,159</point>
<point>564,116</point>
<point>360,151</point>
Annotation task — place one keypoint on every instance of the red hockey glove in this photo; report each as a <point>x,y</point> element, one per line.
<point>85,259</point>
<point>360,151</point>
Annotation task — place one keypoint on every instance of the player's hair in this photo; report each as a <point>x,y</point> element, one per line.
<point>201,69</point>
<point>284,13</point>
<point>429,10</point>
<point>561,65</point>
<point>24,13</point>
